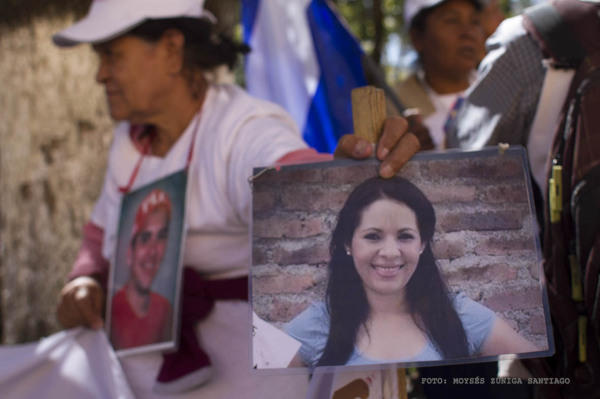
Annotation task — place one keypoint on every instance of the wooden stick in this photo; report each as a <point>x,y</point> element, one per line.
<point>401,375</point>
<point>368,117</point>
<point>368,112</point>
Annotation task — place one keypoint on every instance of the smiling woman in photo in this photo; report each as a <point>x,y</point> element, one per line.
<point>386,299</point>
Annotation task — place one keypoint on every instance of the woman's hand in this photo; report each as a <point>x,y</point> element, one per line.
<point>395,147</point>
<point>81,303</point>
<point>418,128</point>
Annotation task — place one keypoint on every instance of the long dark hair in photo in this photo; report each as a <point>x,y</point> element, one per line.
<point>426,292</point>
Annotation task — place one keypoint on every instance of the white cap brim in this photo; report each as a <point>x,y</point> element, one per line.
<point>107,20</point>
<point>413,7</point>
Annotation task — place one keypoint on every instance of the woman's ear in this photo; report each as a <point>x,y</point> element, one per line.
<point>416,38</point>
<point>348,251</point>
<point>423,246</point>
<point>173,41</point>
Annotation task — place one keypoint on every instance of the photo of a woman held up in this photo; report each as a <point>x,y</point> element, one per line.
<point>386,299</point>
<point>382,267</point>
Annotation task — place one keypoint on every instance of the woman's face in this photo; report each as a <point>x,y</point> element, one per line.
<point>451,39</point>
<point>136,77</point>
<point>148,249</point>
<point>386,247</point>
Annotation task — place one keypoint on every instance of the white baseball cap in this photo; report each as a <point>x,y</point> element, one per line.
<point>413,7</point>
<point>108,19</point>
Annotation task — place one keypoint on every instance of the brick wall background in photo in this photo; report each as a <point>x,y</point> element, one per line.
<point>484,239</point>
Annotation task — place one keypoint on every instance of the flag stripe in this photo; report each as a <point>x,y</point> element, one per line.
<point>304,59</point>
<point>249,11</point>
<point>339,56</point>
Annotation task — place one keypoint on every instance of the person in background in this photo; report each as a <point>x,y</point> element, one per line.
<point>518,99</point>
<point>447,36</point>
<point>503,105</point>
<point>153,57</point>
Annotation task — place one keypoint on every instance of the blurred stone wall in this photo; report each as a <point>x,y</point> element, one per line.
<point>54,136</point>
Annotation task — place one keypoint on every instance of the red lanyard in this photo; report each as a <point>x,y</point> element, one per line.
<point>146,149</point>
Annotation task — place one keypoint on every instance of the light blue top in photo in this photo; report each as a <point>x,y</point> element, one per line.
<point>311,328</point>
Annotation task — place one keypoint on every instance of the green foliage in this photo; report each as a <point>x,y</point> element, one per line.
<point>361,18</point>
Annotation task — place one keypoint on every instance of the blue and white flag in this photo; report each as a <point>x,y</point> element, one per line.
<point>305,59</point>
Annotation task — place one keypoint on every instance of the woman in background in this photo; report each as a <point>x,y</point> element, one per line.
<point>448,37</point>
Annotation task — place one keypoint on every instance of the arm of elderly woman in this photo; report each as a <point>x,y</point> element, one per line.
<point>395,147</point>
<point>81,303</point>
<point>82,299</point>
<point>504,339</point>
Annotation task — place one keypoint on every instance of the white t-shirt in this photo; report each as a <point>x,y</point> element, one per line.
<point>235,133</point>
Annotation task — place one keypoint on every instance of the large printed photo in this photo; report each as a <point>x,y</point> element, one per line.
<point>438,265</point>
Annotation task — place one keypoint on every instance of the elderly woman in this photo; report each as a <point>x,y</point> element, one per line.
<point>153,56</point>
<point>448,37</point>
<point>386,300</point>
<point>139,315</point>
